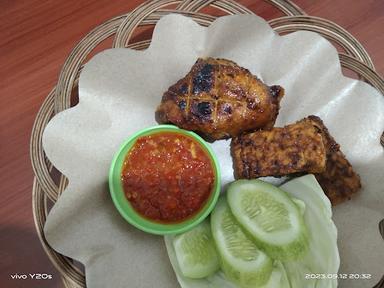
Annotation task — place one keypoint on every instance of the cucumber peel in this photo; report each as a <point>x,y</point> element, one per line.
<point>196,253</point>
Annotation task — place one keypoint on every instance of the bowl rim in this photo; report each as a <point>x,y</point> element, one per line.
<point>127,211</point>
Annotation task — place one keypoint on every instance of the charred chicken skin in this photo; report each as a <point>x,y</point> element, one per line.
<point>219,99</point>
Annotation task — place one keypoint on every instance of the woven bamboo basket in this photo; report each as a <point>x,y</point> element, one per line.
<point>48,184</point>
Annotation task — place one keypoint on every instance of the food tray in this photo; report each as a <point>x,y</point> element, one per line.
<point>48,184</point>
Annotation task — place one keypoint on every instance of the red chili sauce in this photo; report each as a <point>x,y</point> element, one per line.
<point>167,177</point>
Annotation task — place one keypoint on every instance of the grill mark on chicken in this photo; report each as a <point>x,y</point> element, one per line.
<point>182,104</point>
<point>202,82</point>
<point>227,108</point>
<point>275,90</point>
<point>202,110</point>
<point>238,101</point>
<point>184,89</point>
<point>214,94</point>
<point>189,96</point>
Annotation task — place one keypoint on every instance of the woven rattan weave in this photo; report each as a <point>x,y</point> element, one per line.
<point>48,186</point>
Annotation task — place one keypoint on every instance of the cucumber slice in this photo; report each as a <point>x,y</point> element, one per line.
<point>323,255</point>
<point>241,260</point>
<point>271,217</point>
<point>196,253</point>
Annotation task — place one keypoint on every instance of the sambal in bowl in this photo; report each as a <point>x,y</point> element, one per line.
<point>164,180</point>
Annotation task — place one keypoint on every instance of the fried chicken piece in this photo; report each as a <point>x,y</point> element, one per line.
<point>339,181</point>
<point>295,148</point>
<point>219,99</point>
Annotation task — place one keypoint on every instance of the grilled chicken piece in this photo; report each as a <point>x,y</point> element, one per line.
<point>219,99</point>
<point>295,148</point>
<point>339,181</point>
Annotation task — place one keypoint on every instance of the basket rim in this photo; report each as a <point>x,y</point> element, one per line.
<point>45,189</point>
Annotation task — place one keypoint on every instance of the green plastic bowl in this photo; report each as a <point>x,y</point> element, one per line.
<point>124,206</point>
